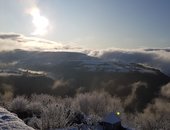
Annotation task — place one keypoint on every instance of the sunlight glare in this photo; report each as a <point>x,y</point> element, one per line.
<point>40,22</point>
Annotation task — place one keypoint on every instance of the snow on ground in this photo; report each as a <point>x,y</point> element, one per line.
<point>102,65</point>
<point>10,121</point>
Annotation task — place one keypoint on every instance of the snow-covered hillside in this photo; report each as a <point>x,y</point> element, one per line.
<point>10,121</point>
<point>37,62</point>
<point>107,66</point>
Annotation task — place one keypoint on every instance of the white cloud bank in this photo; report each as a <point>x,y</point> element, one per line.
<point>12,41</point>
<point>157,58</point>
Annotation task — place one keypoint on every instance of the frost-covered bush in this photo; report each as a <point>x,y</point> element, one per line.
<point>155,117</point>
<point>19,104</point>
<point>44,111</point>
<point>93,119</point>
<point>55,116</point>
<point>57,112</point>
<point>97,103</point>
<point>35,123</point>
<point>35,108</point>
<point>44,99</point>
<point>67,102</point>
<point>76,117</point>
<point>145,121</point>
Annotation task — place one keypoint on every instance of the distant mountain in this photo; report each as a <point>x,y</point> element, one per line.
<point>66,73</point>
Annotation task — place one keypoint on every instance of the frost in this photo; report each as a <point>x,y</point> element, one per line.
<point>9,121</point>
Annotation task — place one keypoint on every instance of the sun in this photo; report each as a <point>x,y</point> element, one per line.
<point>40,22</point>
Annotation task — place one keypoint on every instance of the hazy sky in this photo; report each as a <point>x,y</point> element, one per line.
<point>94,23</point>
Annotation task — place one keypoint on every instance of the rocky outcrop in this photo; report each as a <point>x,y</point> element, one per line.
<point>10,121</point>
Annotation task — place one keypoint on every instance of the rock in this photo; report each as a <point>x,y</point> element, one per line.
<point>10,121</point>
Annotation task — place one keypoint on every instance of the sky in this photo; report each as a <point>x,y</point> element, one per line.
<point>96,24</point>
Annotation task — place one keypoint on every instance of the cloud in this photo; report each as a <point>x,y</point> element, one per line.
<point>157,58</point>
<point>12,41</point>
<point>11,36</point>
<point>150,49</point>
<point>60,83</point>
<point>132,98</point>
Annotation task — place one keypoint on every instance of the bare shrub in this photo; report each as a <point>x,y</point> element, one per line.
<point>97,103</point>
<point>55,116</point>
<point>67,102</point>
<point>35,123</point>
<point>152,121</point>
<point>44,99</point>
<point>114,104</point>
<point>51,112</point>
<point>129,120</point>
<point>19,104</point>
<point>35,108</point>
<point>93,119</point>
<point>81,103</point>
<point>155,117</point>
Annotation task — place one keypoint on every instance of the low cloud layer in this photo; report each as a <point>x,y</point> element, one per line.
<point>11,36</point>
<point>12,41</point>
<point>157,58</point>
<point>60,83</point>
<point>131,99</point>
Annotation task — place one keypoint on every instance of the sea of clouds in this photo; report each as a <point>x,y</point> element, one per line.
<point>158,58</point>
